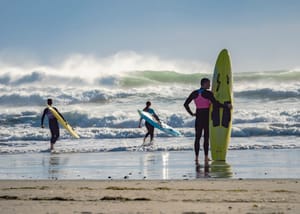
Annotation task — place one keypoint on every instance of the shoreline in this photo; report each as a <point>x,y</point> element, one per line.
<point>150,165</point>
<point>151,196</point>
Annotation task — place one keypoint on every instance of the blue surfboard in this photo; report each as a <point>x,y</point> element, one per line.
<point>160,125</point>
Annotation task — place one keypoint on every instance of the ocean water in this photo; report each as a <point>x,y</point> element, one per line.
<point>100,100</point>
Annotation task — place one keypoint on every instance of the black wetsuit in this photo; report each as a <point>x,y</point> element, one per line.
<point>53,124</point>
<point>202,119</point>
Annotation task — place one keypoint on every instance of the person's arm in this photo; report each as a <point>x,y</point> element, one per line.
<point>43,117</point>
<point>60,114</point>
<point>140,122</point>
<point>209,95</point>
<point>190,98</point>
<point>156,117</point>
<point>152,112</point>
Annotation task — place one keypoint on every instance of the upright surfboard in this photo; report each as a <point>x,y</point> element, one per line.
<point>221,118</point>
<point>160,125</point>
<point>64,123</point>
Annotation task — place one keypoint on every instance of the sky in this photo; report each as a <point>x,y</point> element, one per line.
<point>259,34</point>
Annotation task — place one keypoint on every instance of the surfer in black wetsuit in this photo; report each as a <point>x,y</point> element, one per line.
<point>53,124</point>
<point>202,99</point>
<point>150,128</point>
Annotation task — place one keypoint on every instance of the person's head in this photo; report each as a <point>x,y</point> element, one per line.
<point>148,104</point>
<point>49,102</point>
<point>205,83</point>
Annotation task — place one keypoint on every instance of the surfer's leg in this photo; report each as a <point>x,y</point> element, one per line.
<point>54,128</point>
<point>197,142</point>
<point>205,123</point>
<point>57,134</point>
<point>150,132</point>
<point>198,133</point>
<point>52,140</point>
<point>147,134</point>
<point>206,143</point>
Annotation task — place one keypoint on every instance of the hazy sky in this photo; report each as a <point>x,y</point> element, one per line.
<point>260,34</point>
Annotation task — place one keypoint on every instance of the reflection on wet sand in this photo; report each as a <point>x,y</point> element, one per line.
<point>53,170</point>
<point>202,171</point>
<point>220,169</point>
<point>57,168</point>
<point>216,169</point>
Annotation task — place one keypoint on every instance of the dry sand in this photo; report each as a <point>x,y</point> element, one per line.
<point>175,196</point>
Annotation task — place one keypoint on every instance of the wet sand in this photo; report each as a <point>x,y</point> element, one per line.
<point>151,196</point>
<point>153,165</point>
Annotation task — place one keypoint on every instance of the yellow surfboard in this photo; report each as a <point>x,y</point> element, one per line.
<point>64,123</point>
<point>221,118</point>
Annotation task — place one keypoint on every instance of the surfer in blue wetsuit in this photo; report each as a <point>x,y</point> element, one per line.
<point>202,99</point>
<point>150,128</point>
<point>53,124</point>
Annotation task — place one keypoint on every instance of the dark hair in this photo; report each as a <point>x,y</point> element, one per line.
<point>49,101</point>
<point>148,103</point>
<point>204,80</point>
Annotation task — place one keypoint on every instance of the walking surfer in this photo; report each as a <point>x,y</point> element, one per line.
<point>53,124</point>
<point>202,99</point>
<point>150,128</point>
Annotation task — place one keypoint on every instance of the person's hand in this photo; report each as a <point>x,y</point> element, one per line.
<point>229,106</point>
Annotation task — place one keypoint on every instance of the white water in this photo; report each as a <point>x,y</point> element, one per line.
<point>99,97</point>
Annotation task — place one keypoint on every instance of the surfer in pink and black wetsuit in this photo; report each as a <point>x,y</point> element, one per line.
<point>53,124</point>
<point>202,99</point>
<point>150,128</point>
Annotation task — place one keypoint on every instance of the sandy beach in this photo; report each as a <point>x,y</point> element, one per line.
<point>193,196</point>
<point>101,62</point>
<point>262,181</point>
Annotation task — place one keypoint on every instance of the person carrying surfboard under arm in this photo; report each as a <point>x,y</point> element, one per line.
<point>202,98</point>
<point>150,128</point>
<point>53,124</point>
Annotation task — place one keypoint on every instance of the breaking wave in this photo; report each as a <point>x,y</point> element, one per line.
<point>141,78</point>
<point>26,125</point>
<point>99,97</point>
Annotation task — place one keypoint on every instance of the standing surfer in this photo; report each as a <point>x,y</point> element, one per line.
<point>150,128</point>
<point>53,124</point>
<point>202,99</point>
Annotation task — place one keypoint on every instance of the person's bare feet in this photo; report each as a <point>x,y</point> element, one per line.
<point>206,159</point>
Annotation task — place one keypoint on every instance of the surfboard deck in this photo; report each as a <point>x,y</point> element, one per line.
<point>221,118</point>
<point>161,126</point>
<point>65,124</point>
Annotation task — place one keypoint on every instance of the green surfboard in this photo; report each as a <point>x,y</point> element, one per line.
<point>221,118</point>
